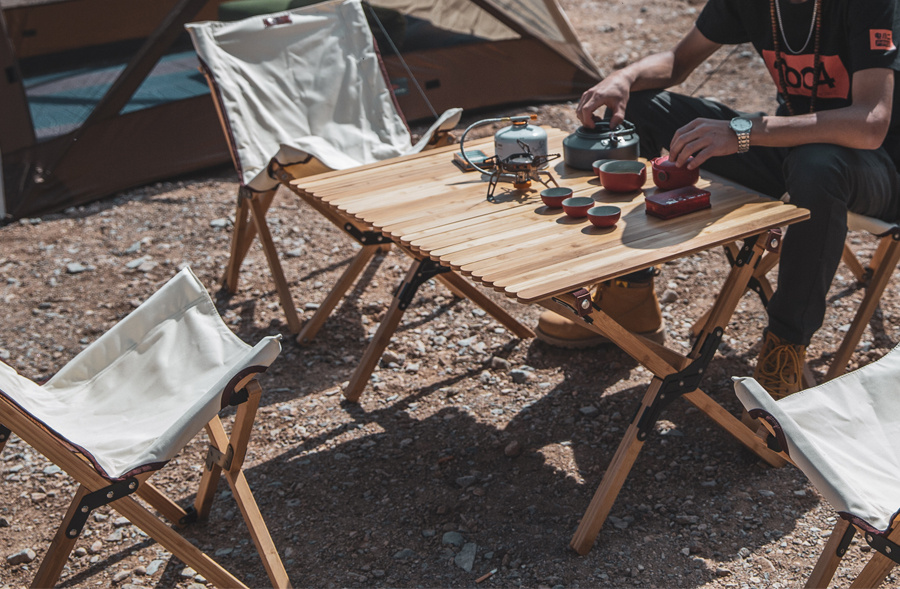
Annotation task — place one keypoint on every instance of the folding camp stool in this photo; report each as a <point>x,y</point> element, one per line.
<point>128,403</point>
<point>845,437</point>
<point>873,277</point>
<point>298,93</point>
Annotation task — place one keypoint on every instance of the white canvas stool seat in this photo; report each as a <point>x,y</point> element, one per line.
<point>130,401</point>
<point>302,92</point>
<point>845,437</point>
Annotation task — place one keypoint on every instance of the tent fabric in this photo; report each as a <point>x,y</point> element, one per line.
<point>137,395</point>
<point>312,84</point>
<point>843,435</point>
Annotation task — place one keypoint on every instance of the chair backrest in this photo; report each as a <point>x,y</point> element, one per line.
<point>303,82</point>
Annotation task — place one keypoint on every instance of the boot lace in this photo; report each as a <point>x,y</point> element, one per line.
<point>780,368</point>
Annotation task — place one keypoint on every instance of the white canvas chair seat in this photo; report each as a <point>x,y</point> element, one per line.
<point>305,82</point>
<point>845,437</point>
<point>131,401</point>
<point>85,402</point>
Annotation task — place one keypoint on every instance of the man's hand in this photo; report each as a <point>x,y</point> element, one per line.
<point>613,93</point>
<point>703,139</point>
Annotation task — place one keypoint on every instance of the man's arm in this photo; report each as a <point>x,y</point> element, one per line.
<point>657,71</point>
<point>862,125</point>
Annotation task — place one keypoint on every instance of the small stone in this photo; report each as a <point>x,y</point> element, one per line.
<point>520,376</point>
<point>412,367</point>
<point>378,573</point>
<point>21,557</point>
<point>765,564</point>
<point>140,570</point>
<point>154,567</point>
<point>38,497</point>
<point>687,519</point>
<point>4,523</point>
<point>499,363</point>
<point>513,449</point>
<point>75,268</point>
<point>52,469</point>
<point>96,547</point>
<point>187,573</point>
<point>219,223</point>
<point>466,481</point>
<point>121,576</point>
<point>466,557</point>
<point>722,572</point>
<point>115,536</point>
<point>136,262</point>
<point>452,539</point>
<point>405,554</point>
<point>589,411</point>
<point>121,521</point>
<point>388,357</point>
<point>147,266</point>
<point>766,493</point>
<point>744,552</point>
<point>428,533</point>
<point>668,296</point>
<point>99,517</point>
<point>80,551</point>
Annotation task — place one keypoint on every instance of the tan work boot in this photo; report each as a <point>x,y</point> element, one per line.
<point>631,301</point>
<point>780,366</point>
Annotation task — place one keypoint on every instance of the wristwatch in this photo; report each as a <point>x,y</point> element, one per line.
<point>741,128</point>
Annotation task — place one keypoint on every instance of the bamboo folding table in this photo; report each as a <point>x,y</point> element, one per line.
<point>536,255</point>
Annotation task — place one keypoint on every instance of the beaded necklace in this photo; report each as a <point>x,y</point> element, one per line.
<point>775,14</point>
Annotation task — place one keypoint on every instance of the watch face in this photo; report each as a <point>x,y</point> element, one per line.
<point>741,125</point>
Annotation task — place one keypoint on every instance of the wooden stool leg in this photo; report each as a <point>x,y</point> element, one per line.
<point>874,572</point>
<point>381,339</point>
<point>240,489</point>
<point>314,324</point>
<point>830,559</point>
<point>281,285</point>
<point>459,284</point>
<point>60,548</point>
<point>888,261</point>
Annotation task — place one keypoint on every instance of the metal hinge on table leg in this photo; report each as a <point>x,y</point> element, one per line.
<point>428,269</point>
<point>215,457</point>
<point>5,432</point>
<point>884,546</point>
<point>366,237</point>
<point>679,383</point>
<point>97,499</point>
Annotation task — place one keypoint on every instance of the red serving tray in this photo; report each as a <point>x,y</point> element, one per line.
<point>674,203</point>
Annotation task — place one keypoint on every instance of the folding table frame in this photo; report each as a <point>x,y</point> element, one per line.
<point>674,376</point>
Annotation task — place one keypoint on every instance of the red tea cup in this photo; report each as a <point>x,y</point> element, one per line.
<point>623,175</point>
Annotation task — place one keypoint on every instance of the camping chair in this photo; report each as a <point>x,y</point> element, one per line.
<point>128,403</point>
<point>844,435</point>
<point>873,277</point>
<point>298,93</point>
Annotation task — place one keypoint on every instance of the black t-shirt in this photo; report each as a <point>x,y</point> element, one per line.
<point>856,35</point>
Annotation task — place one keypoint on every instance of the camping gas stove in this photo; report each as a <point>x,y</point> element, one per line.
<point>520,169</point>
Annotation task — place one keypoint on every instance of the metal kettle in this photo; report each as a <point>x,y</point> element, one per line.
<point>585,146</point>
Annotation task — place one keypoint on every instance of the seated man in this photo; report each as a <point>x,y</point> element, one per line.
<point>832,145</point>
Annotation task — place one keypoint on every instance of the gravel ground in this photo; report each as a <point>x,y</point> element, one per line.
<point>471,452</point>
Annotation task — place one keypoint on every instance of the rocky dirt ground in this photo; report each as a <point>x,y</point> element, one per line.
<point>471,452</point>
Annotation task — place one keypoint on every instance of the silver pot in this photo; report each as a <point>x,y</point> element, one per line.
<point>585,146</point>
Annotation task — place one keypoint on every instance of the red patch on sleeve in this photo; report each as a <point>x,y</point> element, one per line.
<point>881,40</point>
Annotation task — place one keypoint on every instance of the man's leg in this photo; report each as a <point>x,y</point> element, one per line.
<point>828,180</point>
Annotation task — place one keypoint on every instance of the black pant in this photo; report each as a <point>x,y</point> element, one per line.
<point>827,179</point>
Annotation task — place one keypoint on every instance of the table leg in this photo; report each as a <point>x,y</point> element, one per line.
<point>616,473</point>
<point>312,326</point>
<point>419,272</point>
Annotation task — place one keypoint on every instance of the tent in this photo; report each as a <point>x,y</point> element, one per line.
<point>102,95</point>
